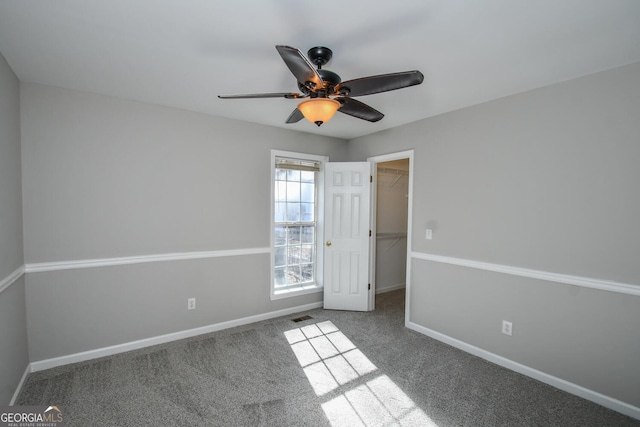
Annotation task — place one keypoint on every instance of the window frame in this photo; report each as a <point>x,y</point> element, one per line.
<point>317,286</point>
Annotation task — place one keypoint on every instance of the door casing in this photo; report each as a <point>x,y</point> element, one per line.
<point>408,154</point>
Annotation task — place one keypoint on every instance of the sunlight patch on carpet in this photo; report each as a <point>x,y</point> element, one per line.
<point>336,368</point>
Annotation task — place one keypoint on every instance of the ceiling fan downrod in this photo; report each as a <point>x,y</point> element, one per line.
<point>319,56</point>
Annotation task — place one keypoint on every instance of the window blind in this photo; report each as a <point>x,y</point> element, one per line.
<point>297,164</point>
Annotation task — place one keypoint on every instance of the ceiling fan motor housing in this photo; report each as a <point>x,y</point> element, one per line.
<point>329,77</point>
<point>320,56</point>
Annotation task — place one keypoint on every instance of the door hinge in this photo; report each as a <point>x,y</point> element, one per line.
<point>369,286</point>
<point>370,178</point>
<point>369,233</point>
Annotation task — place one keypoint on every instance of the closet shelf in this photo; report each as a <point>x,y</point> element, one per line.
<point>398,172</point>
<point>396,237</point>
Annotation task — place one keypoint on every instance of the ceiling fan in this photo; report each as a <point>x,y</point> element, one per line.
<point>327,93</point>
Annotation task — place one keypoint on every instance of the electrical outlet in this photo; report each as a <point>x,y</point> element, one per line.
<point>507,327</point>
<point>429,234</point>
<point>191,304</point>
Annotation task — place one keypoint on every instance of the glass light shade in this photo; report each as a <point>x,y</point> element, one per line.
<point>318,110</point>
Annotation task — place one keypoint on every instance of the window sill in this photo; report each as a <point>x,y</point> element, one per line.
<point>297,291</point>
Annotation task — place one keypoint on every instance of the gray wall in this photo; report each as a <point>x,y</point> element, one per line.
<point>545,180</point>
<point>107,178</point>
<point>13,330</point>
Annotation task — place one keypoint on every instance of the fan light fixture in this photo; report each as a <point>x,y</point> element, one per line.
<point>325,92</point>
<point>319,110</point>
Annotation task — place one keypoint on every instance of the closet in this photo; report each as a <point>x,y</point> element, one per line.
<point>391,224</point>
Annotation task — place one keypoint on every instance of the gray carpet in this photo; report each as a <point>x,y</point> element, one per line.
<point>338,368</point>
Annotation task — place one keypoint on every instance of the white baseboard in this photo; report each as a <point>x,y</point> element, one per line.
<point>601,399</point>
<point>162,339</point>
<point>390,288</point>
<point>27,371</point>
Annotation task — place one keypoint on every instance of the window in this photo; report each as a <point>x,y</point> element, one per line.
<point>296,223</point>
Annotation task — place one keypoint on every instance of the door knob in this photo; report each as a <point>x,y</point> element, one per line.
<point>329,243</point>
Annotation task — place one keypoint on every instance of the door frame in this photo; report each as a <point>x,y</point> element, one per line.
<point>401,155</point>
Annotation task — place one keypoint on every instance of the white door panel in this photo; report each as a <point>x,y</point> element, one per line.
<point>346,268</point>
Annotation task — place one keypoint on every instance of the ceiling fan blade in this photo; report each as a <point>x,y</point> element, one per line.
<point>380,83</point>
<point>300,66</point>
<point>263,95</point>
<point>359,109</point>
<point>295,116</point>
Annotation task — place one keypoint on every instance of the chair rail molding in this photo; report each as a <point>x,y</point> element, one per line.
<point>11,278</point>
<point>107,262</point>
<point>587,282</point>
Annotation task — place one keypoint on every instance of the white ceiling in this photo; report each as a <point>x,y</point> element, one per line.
<point>183,53</point>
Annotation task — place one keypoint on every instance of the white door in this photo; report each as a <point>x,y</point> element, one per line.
<point>346,250</point>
